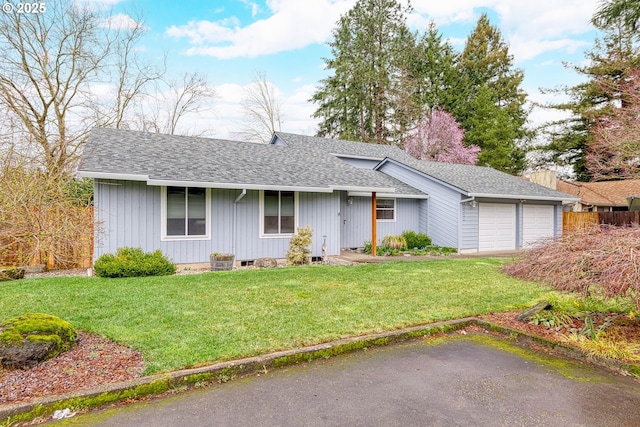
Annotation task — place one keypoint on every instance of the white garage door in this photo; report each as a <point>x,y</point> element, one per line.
<point>537,223</point>
<point>497,227</point>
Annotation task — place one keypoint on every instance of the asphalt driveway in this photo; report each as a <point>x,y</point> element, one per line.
<point>458,381</point>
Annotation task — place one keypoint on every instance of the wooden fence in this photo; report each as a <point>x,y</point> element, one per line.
<point>572,221</point>
<point>76,251</point>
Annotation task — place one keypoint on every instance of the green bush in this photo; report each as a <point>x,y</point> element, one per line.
<point>132,262</point>
<point>416,240</point>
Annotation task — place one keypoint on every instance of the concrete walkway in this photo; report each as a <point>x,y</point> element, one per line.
<point>459,382</point>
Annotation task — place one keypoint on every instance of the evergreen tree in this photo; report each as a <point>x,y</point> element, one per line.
<point>612,12</point>
<point>434,71</point>
<point>490,90</point>
<point>369,48</point>
<point>612,61</point>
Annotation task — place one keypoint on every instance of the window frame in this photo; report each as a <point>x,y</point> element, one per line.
<point>394,209</point>
<point>264,235</point>
<point>163,214</point>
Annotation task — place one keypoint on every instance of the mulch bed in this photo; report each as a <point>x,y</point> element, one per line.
<point>93,361</point>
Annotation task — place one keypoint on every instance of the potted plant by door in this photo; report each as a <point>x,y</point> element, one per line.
<point>221,262</point>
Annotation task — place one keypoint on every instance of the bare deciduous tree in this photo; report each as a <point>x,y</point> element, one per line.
<point>261,110</point>
<point>49,62</point>
<point>175,99</point>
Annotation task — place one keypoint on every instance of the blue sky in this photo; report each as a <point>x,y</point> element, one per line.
<point>286,39</point>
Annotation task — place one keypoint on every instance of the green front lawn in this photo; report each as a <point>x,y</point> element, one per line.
<point>189,320</point>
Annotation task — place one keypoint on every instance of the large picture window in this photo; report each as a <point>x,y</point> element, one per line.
<point>278,212</point>
<point>386,209</point>
<point>186,212</point>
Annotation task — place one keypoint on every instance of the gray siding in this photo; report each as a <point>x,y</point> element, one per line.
<point>444,204</point>
<point>322,212</point>
<point>360,163</point>
<point>470,227</point>
<point>128,213</point>
<point>356,220</point>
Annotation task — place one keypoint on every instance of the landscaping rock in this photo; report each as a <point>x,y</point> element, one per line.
<point>526,315</point>
<point>26,354</point>
<point>265,263</point>
<point>338,261</point>
<point>29,339</point>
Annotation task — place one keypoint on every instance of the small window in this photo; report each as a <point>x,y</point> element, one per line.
<point>278,209</point>
<point>186,212</point>
<point>386,209</point>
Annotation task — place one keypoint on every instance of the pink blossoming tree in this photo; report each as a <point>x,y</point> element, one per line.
<point>438,138</point>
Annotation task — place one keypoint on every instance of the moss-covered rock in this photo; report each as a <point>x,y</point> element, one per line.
<point>33,337</point>
<point>11,273</point>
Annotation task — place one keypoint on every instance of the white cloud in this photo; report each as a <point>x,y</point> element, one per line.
<point>530,27</point>
<point>120,21</point>
<point>293,24</point>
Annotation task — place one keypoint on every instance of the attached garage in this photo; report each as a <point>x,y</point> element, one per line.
<point>497,227</point>
<point>537,223</point>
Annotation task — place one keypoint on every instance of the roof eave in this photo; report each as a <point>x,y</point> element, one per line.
<point>525,197</point>
<point>388,195</point>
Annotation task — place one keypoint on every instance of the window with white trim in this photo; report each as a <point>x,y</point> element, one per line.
<point>186,212</point>
<point>278,212</point>
<point>386,209</point>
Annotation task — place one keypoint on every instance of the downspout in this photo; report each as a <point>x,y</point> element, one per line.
<point>235,213</point>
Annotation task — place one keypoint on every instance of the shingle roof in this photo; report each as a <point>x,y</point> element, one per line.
<point>606,193</point>
<point>157,158</point>
<point>304,163</point>
<point>471,180</point>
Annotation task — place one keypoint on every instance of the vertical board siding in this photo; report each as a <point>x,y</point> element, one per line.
<point>470,224</point>
<point>126,216</point>
<point>321,211</point>
<point>356,220</point>
<point>407,219</point>
<point>443,204</point>
<point>423,224</point>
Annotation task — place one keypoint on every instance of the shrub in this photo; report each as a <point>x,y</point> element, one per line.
<point>394,242</point>
<point>133,262</point>
<point>299,251</point>
<point>416,240</point>
<point>603,260</point>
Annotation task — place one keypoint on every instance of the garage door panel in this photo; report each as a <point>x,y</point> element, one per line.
<point>537,224</point>
<point>497,227</point>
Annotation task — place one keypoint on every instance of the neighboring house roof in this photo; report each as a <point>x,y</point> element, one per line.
<point>472,181</point>
<point>604,193</point>
<point>182,160</point>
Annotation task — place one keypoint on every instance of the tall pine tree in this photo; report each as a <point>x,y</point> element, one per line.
<point>490,90</point>
<point>363,95</point>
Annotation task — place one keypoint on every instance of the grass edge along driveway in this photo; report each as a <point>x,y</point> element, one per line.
<point>191,320</point>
